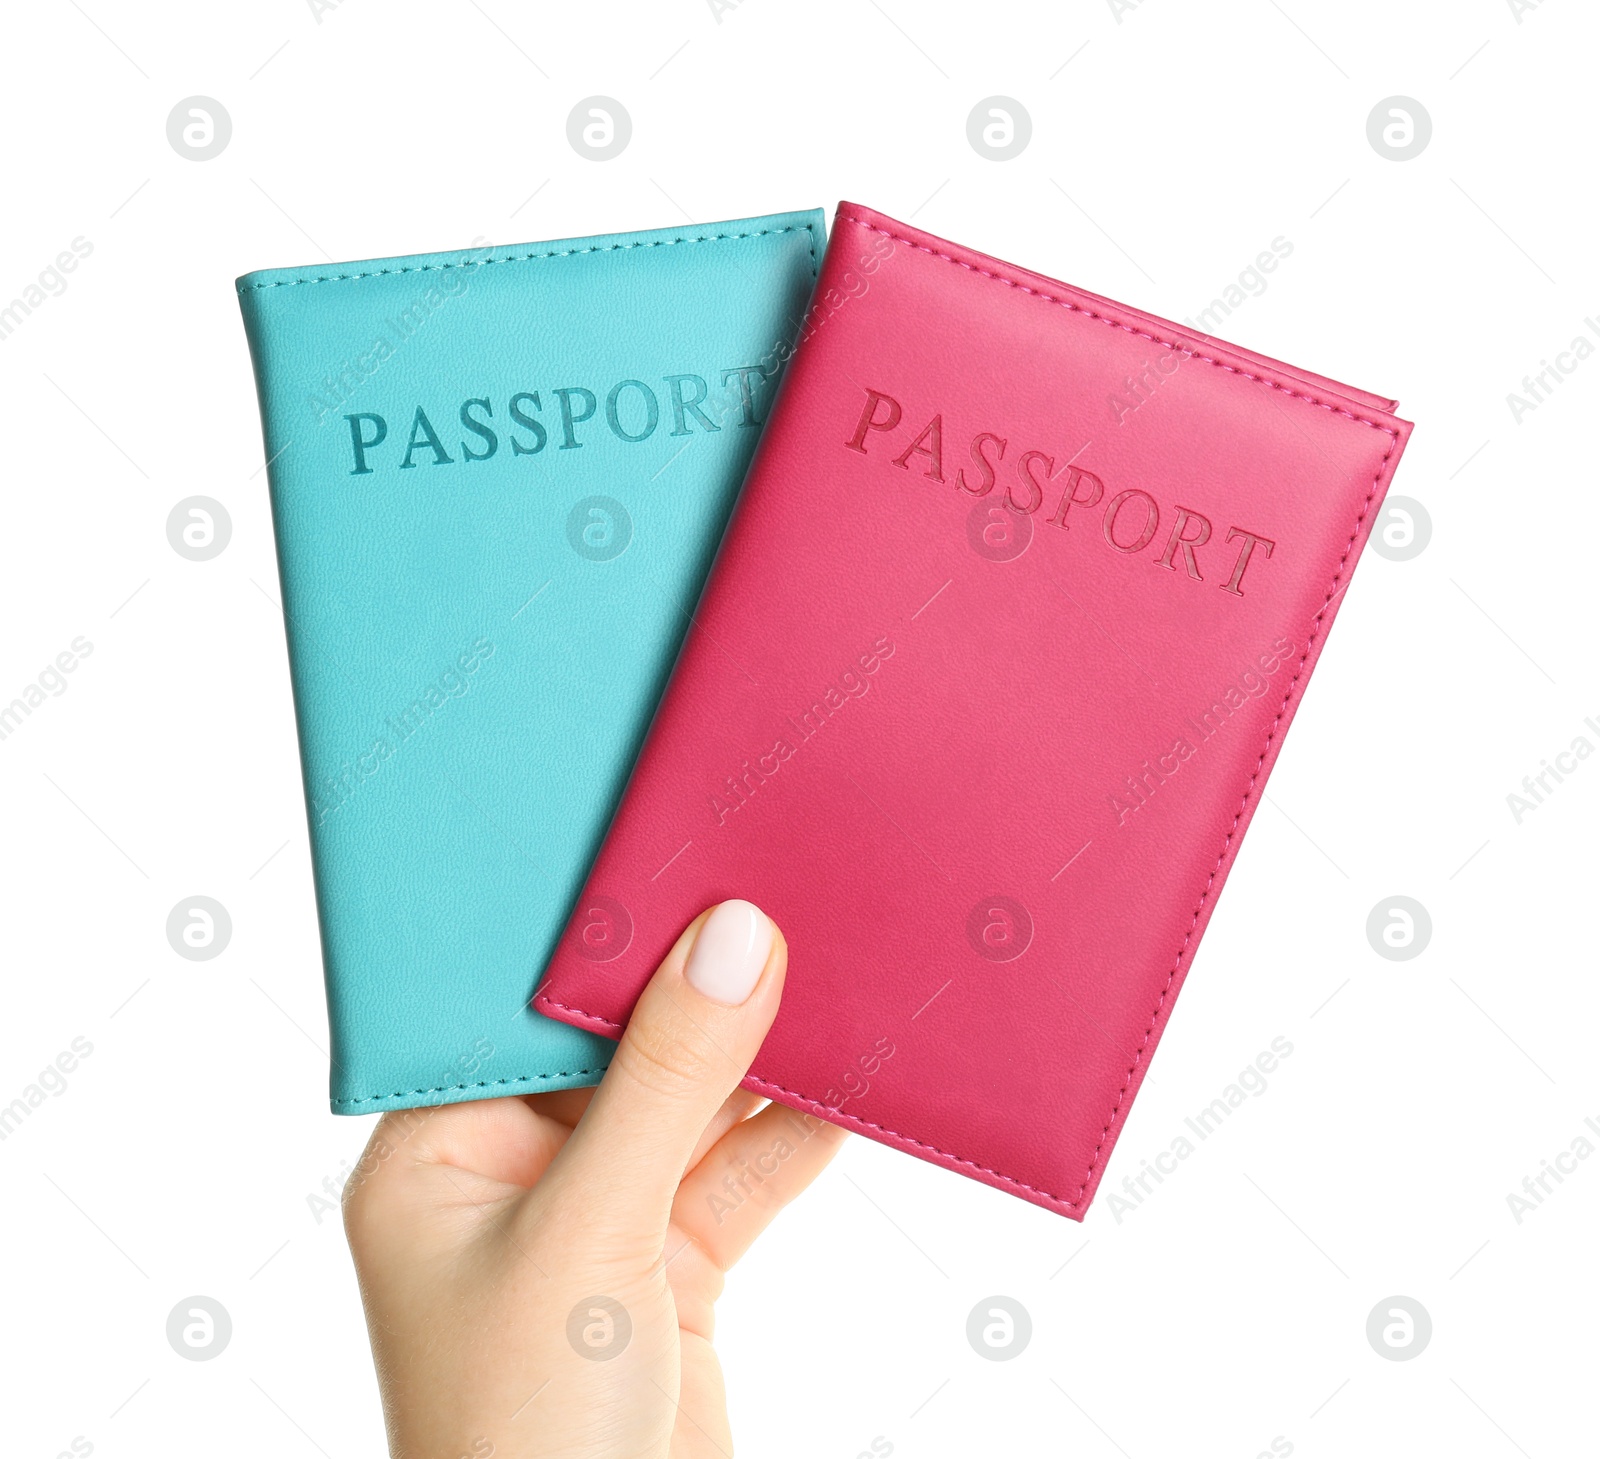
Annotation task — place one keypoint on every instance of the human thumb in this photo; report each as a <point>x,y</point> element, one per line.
<point>692,1036</point>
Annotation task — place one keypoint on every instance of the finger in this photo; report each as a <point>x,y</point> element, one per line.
<point>748,1176</point>
<point>736,1109</point>
<point>702,1429</point>
<point>470,1158</point>
<point>567,1107</point>
<point>461,1158</point>
<point>692,1036</point>
<point>502,1140</point>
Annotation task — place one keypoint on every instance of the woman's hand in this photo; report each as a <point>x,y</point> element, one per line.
<point>539,1273</point>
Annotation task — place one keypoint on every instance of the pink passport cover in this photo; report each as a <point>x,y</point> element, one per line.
<point>1006,633</point>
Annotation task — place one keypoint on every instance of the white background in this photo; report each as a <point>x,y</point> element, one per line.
<point>1170,146</point>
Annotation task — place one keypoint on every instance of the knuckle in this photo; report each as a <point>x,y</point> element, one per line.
<point>668,1056</point>
<point>363,1216</point>
<point>362,1202</point>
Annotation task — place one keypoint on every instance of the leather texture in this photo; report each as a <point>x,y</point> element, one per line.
<point>498,478</point>
<point>986,765</point>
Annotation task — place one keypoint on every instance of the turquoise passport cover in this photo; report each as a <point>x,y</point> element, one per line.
<point>498,479</point>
